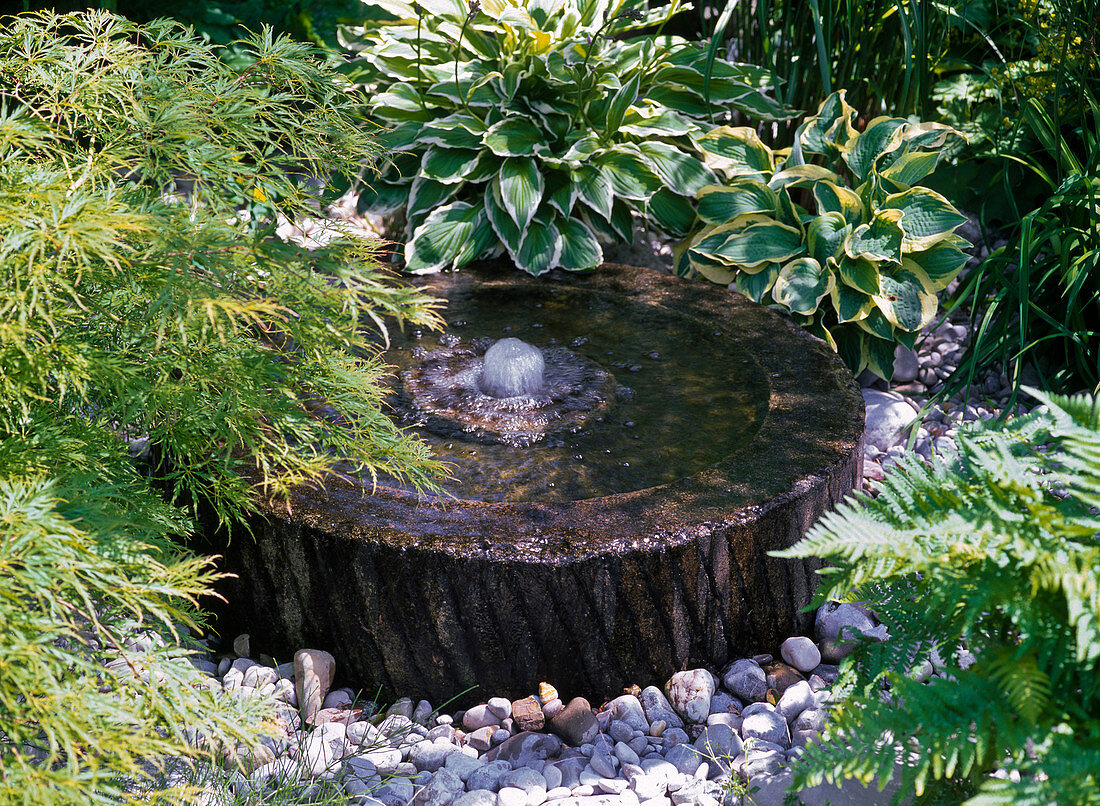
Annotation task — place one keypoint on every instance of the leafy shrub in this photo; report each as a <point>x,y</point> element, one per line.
<point>852,251</point>
<point>996,553</point>
<point>1038,297</point>
<point>537,128</point>
<point>127,314</point>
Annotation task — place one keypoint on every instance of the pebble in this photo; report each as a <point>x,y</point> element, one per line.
<point>576,723</point>
<point>690,692</point>
<point>629,710</point>
<point>801,653</point>
<point>313,672</point>
<point>746,679</point>
<point>657,708</point>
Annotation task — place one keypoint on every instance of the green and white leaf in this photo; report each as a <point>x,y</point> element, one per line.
<point>928,217</point>
<point>541,247</point>
<point>520,186</point>
<point>721,203</point>
<point>907,299</point>
<point>515,137</point>
<point>756,286</point>
<point>802,284</point>
<point>880,136</point>
<point>593,188</point>
<point>682,173</point>
<point>835,198</point>
<point>880,240</point>
<point>942,263</point>
<point>448,165</point>
<point>630,176</point>
<point>505,228</point>
<point>670,212</point>
<point>737,147</point>
<point>451,236</point>
<point>579,248</point>
<point>849,305</point>
<point>752,247</point>
<point>825,236</point>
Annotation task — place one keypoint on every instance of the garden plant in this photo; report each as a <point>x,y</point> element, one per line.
<point>145,307</point>
<point>987,565</point>
<point>539,129</point>
<point>851,249</point>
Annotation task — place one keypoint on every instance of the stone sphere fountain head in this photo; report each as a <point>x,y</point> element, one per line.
<point>614,494</point>
<point>512,368</point>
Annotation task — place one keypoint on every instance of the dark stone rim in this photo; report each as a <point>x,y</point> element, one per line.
<point>813,427</point>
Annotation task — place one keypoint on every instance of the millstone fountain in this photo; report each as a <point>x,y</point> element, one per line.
<point>625,447</point>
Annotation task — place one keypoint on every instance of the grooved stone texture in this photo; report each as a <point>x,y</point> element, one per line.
<point>432,596</point>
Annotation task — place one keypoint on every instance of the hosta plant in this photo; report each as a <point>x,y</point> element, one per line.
<point>832,231</point>
<point>539,128</point>
<point>989,567</point>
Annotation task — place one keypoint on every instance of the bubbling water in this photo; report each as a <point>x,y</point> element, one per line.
<point>512,368</point>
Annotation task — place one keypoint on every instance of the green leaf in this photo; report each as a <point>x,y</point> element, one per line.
<point>802,176</point>
<point>593,187</point>
<point>520,186</point>
<point>400,102</point>
<point>720,203</point>
<point>834,198</point>
<point>879,240</point>
<point>849,304</point>
<point>621,102</point>
<point>630,177</point>
<point>830,131</point>
<point>619,228</point>
<point>515,137</point>
<point>560,192</point>
<point>941,263</point>
<point>910,168</point>
<point>825,236</point>
<point>927,219</point>
<point>451,236</point>
<point>582,149</point>
<point>425,195</point>
<point>755,245</point>
<point>906,300</point>
<point>383,197</point>
<point>541,247</point>
<point>448,165</point>
<point>665,124</point>
<point>802,284</point>
<point>682,173</point>
<point>859,274</point>
<point>756,286</point>
<point>739,146</point>
<point>670,212</point>
<point>880,136</point>
<point>505,228</point>
<point>579,248</point>
<point>878,356</point>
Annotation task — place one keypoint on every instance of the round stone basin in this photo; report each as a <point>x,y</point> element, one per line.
<point>591,558</point>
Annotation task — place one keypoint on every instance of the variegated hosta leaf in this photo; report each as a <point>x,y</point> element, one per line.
<point>424,196</point>
<point>911,167</point>
<point>579,248</point>
<point>618,228</point>
<point>582,149</point>
<point>621,102</point>
<point>830,130</point>
<point>505,228</point>
<point>664,124</point>
<point>593,187</point>
<point>802,284</point>
<point>880,240</point>
<point>737,146</point>
<point>825,236</point>
<point>671,212</point>
<point>520,186</point>
<point>878,356</point>
<point>448,165</point>
<point>540,248</point>
<point>452,235</point>
<point>880,136</point>
<point>859,274</point>
<point>453,131</point>
<point>721,203</point>
<point>907,299</point>
<point>928,217</point>
<point>802,176</point>
<point>560,192</point>
<point>756,286</point>
<point>630,177</point>
<point>383,197</point>
<point>400,102</point>
<point>752,247</point>
<point>849,305</point>
<point>682,173</point>
<point>515,137</point>
<point>876,324</point>
<point>942,263</point>
<point>832,197</point>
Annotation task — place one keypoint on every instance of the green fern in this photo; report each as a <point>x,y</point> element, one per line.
<point>997,551</point>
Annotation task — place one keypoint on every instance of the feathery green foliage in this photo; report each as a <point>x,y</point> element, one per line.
<point>997,553</point>
<point>129,314</point>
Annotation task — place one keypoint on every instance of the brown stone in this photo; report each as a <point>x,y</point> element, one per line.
<point>435,595</point>
<point>313,671</point>
<point>345,716</point>
<point>576,723</point>
<point>527,714</point>
<point>782,676</point>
